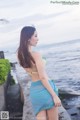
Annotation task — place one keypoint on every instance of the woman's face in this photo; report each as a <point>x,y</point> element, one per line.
<point>34,39</point>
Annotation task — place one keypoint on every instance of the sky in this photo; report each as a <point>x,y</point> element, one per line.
<point>54,22</point>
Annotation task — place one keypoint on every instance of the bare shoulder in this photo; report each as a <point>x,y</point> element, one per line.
<point>36,55</point>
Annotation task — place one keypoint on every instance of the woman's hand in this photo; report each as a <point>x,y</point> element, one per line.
<point>57,101</point>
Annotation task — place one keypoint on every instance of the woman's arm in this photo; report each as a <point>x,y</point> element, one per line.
<point>44,78</point>
<point>42,73</point>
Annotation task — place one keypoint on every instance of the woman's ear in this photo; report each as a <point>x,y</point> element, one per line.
<point>29,41</point>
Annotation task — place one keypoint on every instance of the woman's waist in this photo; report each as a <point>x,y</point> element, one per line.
<point>39,82</point>
<point>38,86</point>
<point>37,78</point>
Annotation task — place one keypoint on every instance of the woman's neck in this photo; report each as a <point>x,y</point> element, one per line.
<point>30,48</point>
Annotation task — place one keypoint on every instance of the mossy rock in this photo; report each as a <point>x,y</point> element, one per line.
<point>4,69</point>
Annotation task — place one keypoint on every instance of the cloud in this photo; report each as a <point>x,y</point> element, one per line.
<point>54,23</point>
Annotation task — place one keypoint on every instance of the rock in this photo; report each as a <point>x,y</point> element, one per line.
<point>13,64</point>
<point>2,54</point>
<point>70,102</point>
<point>13,99</point>
<point>73,111</point>
<point>2,98</point>
<point>63,114</point>
<point>68,92</point>
<point>78,107</point>
<point>14,76</point>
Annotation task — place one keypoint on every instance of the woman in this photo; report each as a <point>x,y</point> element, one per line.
<point>43,92</point>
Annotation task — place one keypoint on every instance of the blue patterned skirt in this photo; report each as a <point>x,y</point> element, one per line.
<point>40,98</point>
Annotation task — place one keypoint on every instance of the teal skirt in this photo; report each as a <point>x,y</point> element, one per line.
<point>40,98</point>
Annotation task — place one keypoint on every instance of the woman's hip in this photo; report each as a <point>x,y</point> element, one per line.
<point>37,87</point>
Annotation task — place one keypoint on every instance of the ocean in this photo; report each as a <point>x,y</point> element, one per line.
<point>63,62</point>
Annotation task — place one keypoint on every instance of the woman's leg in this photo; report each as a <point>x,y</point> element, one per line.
<point>42,115</point>
<point>53,113</point>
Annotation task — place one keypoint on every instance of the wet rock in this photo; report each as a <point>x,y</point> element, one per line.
<point>73,111</point>
<point>66,92</point>
<point>71,103</point>
<point>63,114</point>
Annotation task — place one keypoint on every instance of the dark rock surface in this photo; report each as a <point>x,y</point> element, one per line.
<point>2,98</point>
<point>71,102</point>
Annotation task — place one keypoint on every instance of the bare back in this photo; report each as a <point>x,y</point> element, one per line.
<point>35,71</point>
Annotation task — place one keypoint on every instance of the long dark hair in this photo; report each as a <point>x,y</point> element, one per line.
<point>24,56</point>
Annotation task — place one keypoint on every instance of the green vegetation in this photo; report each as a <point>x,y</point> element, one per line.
<point>4,69</point>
